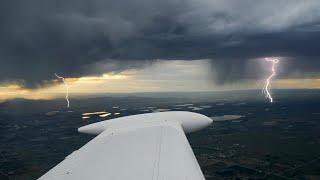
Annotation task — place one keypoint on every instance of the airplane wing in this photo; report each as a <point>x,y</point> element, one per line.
<point>149,146</point>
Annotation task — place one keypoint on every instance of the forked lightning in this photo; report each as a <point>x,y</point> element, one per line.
<point>66,87</point>
<point>266,89</point>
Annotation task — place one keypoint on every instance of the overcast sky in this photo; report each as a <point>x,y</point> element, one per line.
<point>77,38</point>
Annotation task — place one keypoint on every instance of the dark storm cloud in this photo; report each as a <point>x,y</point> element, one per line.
<point>40,37</point>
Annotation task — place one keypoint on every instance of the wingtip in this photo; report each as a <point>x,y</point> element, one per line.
<point>93,129</point>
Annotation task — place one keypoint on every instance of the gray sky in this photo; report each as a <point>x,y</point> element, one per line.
<point>89,37</point>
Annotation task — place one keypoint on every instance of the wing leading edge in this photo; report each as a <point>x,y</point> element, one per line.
<point>150,147</point>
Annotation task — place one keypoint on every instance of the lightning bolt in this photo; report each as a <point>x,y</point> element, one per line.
<point>66,87</point>
<point>266,88</point>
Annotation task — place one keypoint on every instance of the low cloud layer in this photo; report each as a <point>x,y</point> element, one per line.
<point>81,37</point>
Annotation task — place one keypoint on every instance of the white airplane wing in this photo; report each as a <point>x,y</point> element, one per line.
<point>140,147</point>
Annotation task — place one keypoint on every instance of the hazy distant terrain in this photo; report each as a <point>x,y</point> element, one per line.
<point>252,139</point>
